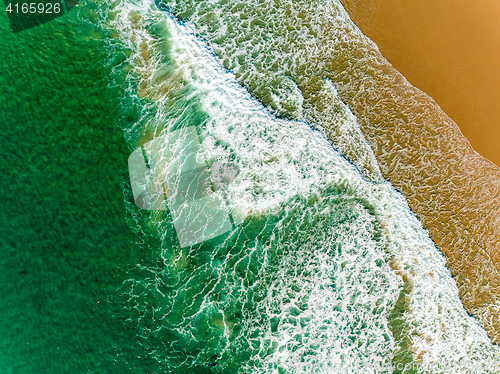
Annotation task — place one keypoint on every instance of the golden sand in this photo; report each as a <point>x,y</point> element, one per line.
<point>450,49</point>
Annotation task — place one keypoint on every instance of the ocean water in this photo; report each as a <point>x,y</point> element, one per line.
<point>328,272</point>
<point>64,234</point>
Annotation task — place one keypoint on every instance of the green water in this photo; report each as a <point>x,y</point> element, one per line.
<point>90,283</point>
<point>63,234</point>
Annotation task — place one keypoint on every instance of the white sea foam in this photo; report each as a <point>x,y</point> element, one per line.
<point>332,294</point>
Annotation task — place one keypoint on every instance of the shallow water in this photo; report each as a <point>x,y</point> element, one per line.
<point>314,44</point>
<point>63,224</point>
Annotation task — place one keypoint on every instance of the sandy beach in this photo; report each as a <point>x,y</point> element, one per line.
<point>450,50</point>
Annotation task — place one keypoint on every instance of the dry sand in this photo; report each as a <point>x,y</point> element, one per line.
<point>450,49</point>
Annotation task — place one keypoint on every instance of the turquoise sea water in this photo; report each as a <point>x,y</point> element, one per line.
<point>328,273</point>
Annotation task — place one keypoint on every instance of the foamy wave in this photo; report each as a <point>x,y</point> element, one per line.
<point>328,267</point>
<point>454,191</point>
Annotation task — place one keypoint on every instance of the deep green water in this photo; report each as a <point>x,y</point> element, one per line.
<point>63,234</point>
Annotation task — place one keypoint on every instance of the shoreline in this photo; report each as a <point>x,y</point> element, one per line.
<point>453,190</point>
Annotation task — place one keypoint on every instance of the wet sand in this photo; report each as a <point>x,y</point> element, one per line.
<point>452,189</point>
<point>450,49</point>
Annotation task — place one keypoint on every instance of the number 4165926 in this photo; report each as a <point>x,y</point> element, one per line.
<point>34,8</point>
